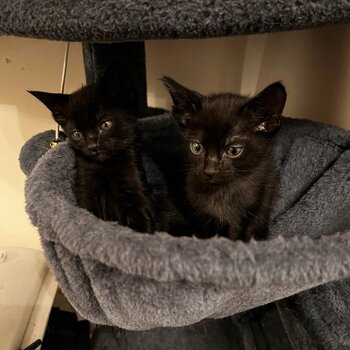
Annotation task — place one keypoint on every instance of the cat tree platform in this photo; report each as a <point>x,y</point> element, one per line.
<point>128,20</point>
<point>114,276</point>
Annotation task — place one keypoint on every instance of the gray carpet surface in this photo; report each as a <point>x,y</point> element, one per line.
<point>130,20</point>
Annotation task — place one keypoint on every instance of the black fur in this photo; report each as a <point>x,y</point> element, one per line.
<point>109,180</point>
<point>230,177</point>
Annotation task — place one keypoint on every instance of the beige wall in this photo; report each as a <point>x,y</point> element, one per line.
<point>26,65</point>
<point>313,64</point>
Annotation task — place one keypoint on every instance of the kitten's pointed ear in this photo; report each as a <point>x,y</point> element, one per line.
<point>266,108</point>
<point>186,102</point>
<point>56,103</point>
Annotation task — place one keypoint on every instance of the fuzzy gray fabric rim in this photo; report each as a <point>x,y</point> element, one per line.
<point>101,265</point>
<point>224,255</point>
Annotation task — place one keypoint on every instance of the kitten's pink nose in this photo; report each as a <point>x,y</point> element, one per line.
<point>92,147</point>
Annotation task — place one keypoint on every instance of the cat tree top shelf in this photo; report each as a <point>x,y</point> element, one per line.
<point>129,20</point>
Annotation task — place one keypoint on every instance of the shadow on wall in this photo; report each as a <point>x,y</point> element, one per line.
<point>27,64</point>
<point>209,65</point>
<point>313,64</point>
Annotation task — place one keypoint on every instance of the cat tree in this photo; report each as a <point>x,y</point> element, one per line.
<point>114,276</point>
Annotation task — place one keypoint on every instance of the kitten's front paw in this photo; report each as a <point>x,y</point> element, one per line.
<point>141,220</point>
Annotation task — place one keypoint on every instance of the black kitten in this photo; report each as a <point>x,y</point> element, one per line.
<point>99,121</point>
<point>231,180</point>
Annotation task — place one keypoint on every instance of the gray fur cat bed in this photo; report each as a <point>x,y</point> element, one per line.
<point>114,276</point>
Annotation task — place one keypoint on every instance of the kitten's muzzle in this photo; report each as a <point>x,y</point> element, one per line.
<point>210,172</point>
<point>92,147</point>
<point>214,176</point>
<point>210,175</point>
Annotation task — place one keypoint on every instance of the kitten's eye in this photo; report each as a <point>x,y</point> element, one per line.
<point>76,135</point>
<point>234,151</point>
<point>196,148</point>
<point>106,125</point>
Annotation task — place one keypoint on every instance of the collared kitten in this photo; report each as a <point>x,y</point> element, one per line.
<point>231,180</point>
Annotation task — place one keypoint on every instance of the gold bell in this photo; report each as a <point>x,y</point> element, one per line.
<point>53,144</point>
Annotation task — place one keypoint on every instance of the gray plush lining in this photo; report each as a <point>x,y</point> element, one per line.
<point>115,276</point>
